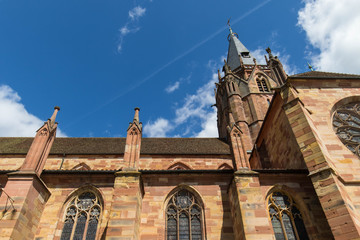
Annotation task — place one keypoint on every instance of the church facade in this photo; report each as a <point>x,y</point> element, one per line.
<point>285,166</point>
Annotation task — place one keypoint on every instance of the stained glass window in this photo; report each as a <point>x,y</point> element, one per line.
<point>82,215</point>
<point>285,217</point>
<point>346,123</point>
<point>183,217</point>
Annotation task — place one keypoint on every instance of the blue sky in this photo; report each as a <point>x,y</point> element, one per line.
<point>98,60</point>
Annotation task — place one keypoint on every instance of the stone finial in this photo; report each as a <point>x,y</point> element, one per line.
<point>254,59</point>
<point>219,75</point>
<point>136,115</point>
<point>226,67</point>
<point>53,117</point>
<point>268,50</point>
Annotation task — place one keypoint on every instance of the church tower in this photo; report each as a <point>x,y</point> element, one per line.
<point>244,93</point>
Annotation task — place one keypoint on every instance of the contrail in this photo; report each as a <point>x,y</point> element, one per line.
<point>196,46</point>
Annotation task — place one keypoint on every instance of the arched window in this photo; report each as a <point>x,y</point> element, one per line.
<point>262,85</point>
<point>286,218</point>
<point>82,217</point>
<point>183,217</point>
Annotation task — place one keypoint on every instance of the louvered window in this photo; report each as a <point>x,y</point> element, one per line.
<point>262,85</point>
<point>346,123</point>
<point>286,218</point>
<point>82,217</point>
<point>183,217</point>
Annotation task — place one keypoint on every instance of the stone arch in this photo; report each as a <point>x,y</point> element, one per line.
<point>179,166</point>
<point>173,210</point>
<point>296,200</point>
<point>99,203</point>
<point>224,166</point>
<point>81,166</point>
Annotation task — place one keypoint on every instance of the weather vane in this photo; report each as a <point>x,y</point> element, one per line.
<point>231,32</point>
<point>310,67</point>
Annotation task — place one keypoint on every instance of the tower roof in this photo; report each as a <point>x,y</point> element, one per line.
<point>236,51</point>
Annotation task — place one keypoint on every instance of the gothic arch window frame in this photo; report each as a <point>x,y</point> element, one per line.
<point>262,83</point>
<point>277,212</point>
<point>69,203</point>
<point>179,166</point>
<point>199,203</point>
<point>345,121</point>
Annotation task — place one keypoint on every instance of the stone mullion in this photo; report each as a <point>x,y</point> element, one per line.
<point>333,200</point>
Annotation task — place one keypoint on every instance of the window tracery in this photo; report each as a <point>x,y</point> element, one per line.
<point>262,84</point>
<point>286,218</point>
<point>346,123</point>
<point>183,217</point>
<point>82,217</point>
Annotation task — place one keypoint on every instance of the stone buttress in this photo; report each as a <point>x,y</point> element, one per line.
<point>25,187</point>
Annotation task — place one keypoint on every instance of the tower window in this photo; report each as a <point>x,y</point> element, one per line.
<point>262,85</point>
<point>286,218</point>
<point>82,217</point>
<point>183,217</point>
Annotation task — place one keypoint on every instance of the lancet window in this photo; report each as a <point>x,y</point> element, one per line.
<point>82,217</point>
<point>262,84</point>
<point>346,123</point>
<point>184,217</point>
<point>286,218</point>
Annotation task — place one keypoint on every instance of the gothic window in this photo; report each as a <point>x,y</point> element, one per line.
<point>183,217</point>
<point>82,217</point>
<point>286,218</point>
<point>262,84</point>
<point>346,123</point>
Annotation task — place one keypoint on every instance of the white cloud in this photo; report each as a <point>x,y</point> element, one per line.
<point>124,30</point>
<point>332,27</point>
<point>173,87</point>
<point>195,107</point>
<point>159,128</point>
<point>130,25</point>
<point>198,104</point>
<point>136,12</point>
<point>209,126</point>
<point>284,58</point>
<point>15,120</point>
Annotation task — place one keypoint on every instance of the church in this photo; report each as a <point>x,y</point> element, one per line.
<point>285,166</point>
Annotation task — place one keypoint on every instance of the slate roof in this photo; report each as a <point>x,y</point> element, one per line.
<point>236,48</point>
<point>317,74</point>
<point>20,145</point>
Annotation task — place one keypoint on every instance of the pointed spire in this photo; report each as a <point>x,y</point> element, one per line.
<point>136,115</point>
<point>238,54</point>
<point>219,75</point>
<point>53,117</point>
<point>226,68</point>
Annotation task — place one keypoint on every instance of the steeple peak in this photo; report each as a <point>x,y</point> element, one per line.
<point>238,54</point>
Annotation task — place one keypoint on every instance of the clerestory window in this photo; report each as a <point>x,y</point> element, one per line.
<point>286,218</point>
<point>183,217</point>
<point>82,217</point>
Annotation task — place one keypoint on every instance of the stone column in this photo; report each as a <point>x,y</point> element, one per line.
<point>249,212</point>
